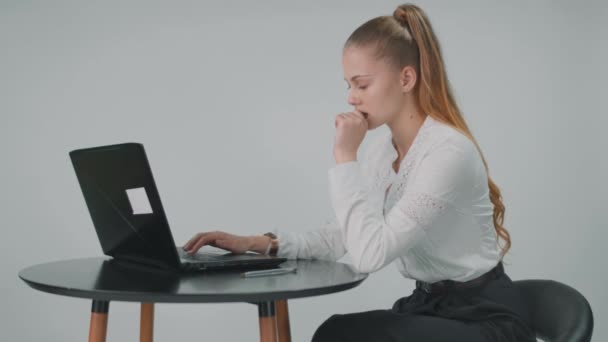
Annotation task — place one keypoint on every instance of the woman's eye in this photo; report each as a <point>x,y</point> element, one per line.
<point>362,87</point>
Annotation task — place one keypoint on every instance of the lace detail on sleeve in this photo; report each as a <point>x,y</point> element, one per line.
<point>424,208</point>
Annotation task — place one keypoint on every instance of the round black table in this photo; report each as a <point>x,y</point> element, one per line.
<point>104,280</point>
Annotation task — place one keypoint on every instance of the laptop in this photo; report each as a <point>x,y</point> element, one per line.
<point>124,204</point>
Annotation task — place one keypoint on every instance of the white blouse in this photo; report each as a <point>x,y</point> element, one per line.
<point>433,218</point>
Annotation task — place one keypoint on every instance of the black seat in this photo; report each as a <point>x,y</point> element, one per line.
<point>559,312</point>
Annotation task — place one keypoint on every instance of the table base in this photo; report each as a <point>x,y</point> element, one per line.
<point>273,317</point>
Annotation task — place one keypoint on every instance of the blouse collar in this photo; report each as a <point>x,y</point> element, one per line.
<point>419,139</point>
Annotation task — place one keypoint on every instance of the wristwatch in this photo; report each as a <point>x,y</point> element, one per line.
<point>273,247</point>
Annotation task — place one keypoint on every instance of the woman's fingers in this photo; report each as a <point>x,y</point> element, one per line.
<point>196,242</point>
<point>350,116</point>
<point>192,241</point>
<point>203,239</point>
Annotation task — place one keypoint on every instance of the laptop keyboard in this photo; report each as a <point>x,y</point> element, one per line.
<point>206,256</point>
<point>199,256</point>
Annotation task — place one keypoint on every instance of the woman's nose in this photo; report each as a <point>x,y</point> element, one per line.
<point>352,100</point>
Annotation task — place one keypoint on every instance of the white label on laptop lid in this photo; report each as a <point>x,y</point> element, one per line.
<point>139,201</point>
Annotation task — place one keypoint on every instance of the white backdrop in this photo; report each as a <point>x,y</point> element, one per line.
<point>235,103</point>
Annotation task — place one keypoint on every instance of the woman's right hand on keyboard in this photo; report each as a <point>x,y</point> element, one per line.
<point>233,243</point>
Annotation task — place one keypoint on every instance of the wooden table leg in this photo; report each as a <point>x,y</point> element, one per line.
<point>283,321</point>
<point>146,325</point>
<point>268,322</point>
<point>99,321</point>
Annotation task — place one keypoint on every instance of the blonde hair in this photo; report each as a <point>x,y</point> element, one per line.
<point>407,38</point>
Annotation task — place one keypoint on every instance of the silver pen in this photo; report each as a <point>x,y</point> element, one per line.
<point>274,271</point>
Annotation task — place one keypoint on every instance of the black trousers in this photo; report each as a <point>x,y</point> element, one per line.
<point>492,312</point>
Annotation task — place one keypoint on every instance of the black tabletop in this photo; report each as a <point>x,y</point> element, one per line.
<point>105,279</point>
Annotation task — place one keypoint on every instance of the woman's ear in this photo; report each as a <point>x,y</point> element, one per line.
<point>407,78</point>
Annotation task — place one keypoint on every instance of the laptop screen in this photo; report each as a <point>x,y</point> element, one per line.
<point>124,204</point>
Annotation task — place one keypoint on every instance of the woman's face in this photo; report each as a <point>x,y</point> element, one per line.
<point>373,87</point>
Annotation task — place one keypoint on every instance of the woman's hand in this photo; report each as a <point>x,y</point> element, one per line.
<point>233,243</point>
<point>350,131</point>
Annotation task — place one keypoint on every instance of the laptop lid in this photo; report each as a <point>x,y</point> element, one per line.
<point>124,204</point>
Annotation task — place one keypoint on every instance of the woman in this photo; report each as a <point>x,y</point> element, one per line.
<point>421,197</point>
